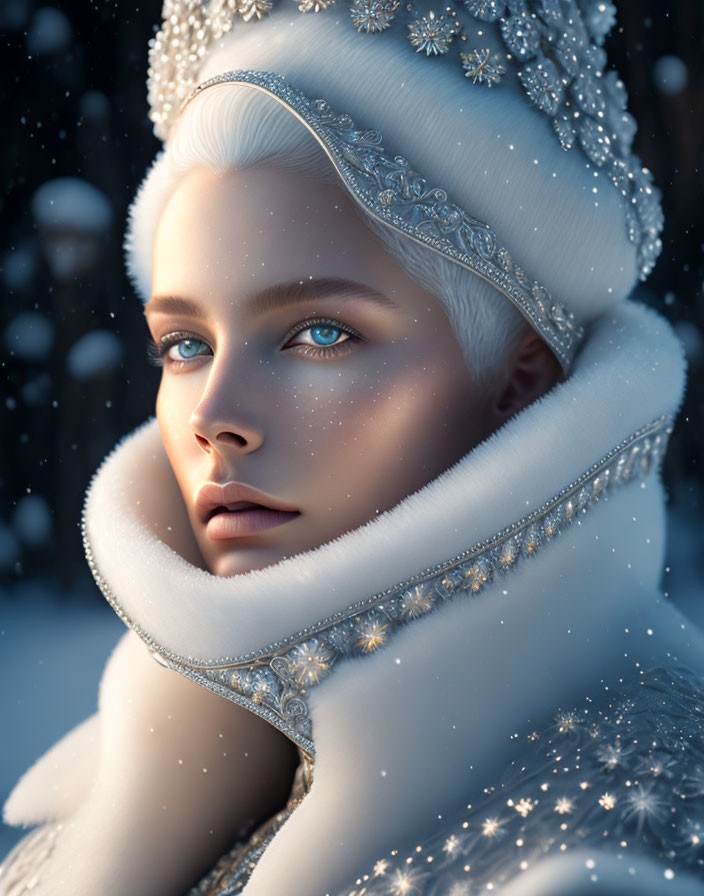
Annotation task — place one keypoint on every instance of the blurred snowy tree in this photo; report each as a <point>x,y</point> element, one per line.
<point>75,107</point>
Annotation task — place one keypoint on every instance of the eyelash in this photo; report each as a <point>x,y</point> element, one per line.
<point>157,351</point>
<point>323,351</point>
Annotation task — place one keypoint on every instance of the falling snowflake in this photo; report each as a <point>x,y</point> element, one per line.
<point>543,84</point>
<point>432,34</point>
<point>248,9</point>
<point>373,15</point>
<point>564,806</point>
<point>483,67</point>
<point>486,10</point>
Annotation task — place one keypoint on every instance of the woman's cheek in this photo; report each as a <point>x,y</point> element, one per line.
<point>175,404</point>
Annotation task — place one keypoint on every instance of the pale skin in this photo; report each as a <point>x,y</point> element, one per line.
<point>339,432</point>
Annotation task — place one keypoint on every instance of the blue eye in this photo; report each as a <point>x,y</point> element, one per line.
<point>324,335</point>
<point>186,349</point>
<point>321,334</point>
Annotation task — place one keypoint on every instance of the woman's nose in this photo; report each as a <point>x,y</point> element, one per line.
<point>224,431</point>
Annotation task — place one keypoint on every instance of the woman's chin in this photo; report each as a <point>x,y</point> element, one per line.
<point>241,560</point>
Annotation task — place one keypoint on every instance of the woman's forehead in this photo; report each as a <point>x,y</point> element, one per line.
<point>262,231</point>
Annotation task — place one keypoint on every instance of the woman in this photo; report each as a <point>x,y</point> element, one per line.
<point>399,507</point>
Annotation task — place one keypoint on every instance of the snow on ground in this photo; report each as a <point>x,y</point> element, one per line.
<point>52,653</point>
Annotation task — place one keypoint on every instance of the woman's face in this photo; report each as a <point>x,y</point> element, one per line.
<point>300,361</point>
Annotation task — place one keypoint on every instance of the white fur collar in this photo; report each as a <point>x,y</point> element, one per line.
<point>629,372</point>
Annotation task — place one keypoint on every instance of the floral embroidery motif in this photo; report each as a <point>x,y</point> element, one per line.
<point>555,45</point>
<point>483,67</point>
<point>597,776</point>
<point>594,776</point>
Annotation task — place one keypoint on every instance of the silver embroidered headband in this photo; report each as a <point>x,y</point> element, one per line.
<point>554,45</point>
<point>390,191</point>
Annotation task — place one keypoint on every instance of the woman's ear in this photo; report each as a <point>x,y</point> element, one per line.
<point>532,370</point>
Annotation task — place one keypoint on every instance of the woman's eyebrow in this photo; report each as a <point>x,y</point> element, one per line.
<point>294,292</point>
<point>278,296</point>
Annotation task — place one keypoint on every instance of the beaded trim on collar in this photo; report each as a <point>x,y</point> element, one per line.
<point>621,774</point>
<point>274,682</point>
<point>390,191</point>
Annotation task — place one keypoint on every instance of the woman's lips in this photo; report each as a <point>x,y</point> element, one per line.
<point>234,510</point>
<point>247,521</point>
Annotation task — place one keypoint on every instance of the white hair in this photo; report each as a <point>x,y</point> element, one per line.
<point>225,129</point>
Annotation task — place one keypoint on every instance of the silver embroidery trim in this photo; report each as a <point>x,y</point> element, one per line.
<point>274,682</point>
<point>391,192</point>
<point>623,773</point>
<point>554,46</point>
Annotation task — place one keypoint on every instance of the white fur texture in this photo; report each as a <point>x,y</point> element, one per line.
<point>59,781</point>
<point>630,371</point>
<point>491,149</point>
<point>236,129</point>
<point>419,728</point>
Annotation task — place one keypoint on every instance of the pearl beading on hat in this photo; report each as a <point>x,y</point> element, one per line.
<point>554,45</point>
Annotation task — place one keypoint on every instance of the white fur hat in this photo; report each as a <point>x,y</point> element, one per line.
<point>493,150</point>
